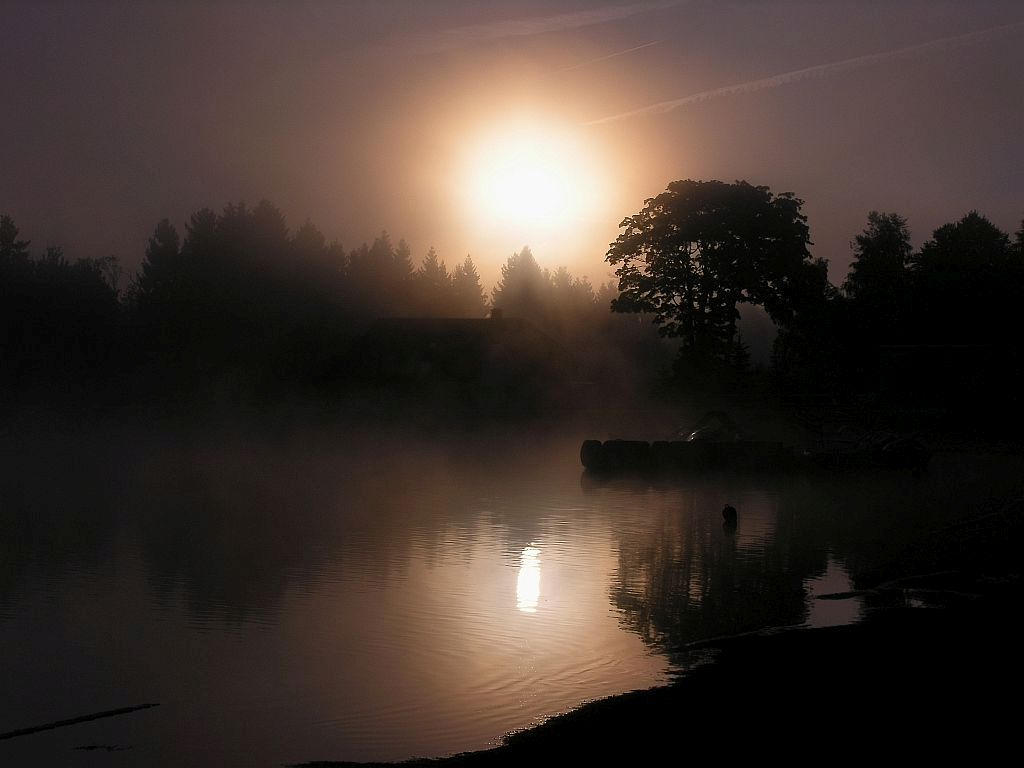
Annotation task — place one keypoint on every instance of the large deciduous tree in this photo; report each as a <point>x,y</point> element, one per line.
<point>697,250</point>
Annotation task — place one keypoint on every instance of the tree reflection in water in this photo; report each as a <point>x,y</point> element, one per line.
<point>685,576</point>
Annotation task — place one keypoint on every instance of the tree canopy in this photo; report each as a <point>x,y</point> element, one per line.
<point>966,283</point>
<point>468,293</point>
<point>523,285</point>
<point>11,248</point>
<point>881,255</point>
<point>697,250</point>
<point>58,318</point>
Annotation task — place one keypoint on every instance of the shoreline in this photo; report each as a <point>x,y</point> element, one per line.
<point>911,678</point>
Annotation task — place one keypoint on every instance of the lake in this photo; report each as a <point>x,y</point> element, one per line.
<point>375,596</point>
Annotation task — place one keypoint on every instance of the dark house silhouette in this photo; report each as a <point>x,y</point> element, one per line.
<point>496,363</point>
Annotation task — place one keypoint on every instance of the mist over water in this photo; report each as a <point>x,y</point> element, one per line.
<point>379,596</point>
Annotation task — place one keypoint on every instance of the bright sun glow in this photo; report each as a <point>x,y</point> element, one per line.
<point>530,179</point>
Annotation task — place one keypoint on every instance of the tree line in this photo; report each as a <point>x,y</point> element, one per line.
<point>238,302</point>
<point>700,249</point>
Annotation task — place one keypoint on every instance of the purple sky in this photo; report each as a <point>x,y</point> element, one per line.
<point>117,114</point>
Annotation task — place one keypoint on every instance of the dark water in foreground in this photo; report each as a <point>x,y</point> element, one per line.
<point>333,596</point>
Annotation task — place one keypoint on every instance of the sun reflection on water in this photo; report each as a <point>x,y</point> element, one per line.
<point>528,583</point>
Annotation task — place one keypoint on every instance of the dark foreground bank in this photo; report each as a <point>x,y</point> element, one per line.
<point>933,671</point>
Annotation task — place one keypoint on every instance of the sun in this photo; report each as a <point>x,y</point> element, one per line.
<point>530,178</point>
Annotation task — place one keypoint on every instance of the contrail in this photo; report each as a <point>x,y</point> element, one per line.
<point>608,56</point>
<point>821,70</point>
<point>537,25</point>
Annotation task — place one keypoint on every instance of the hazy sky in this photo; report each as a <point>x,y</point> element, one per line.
<point>370,115</point>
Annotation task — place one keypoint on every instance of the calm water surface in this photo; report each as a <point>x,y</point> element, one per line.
<point>367,598</point>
